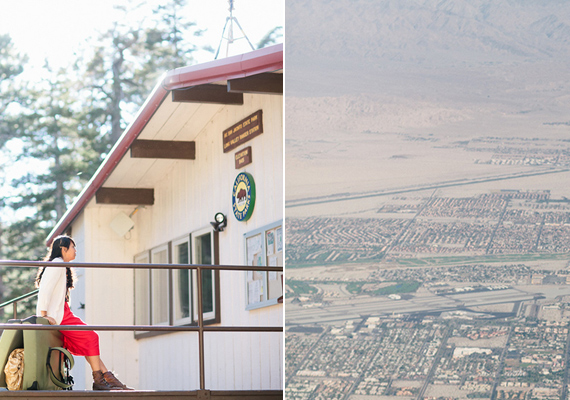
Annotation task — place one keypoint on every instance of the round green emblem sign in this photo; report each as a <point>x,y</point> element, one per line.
<point>243,196</point>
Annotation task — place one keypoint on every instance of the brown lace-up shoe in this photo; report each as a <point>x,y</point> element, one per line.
<point>114,382</point>
<point>99,382</point>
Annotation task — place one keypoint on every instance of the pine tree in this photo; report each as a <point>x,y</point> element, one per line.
<point>169,42</point>
<point>50,142</point>
<point>11,65</point>
<point>50,146</point>
<point>128,61</point>
<point>271,37</point>
<point>12,97</point>
<point>111,79</point>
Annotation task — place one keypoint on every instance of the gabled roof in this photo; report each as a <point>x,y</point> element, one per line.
<point>268,59</point>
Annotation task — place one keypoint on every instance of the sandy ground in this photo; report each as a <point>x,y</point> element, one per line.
<point>446,391</point>
<point>365,397</point>
<point>508,307</point>
<point>348,272</point>
<point>410,384</point>
<point>370,145</point>
<point>497,342</point>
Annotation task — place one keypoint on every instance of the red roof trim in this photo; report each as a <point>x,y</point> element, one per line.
<point>258,61</point>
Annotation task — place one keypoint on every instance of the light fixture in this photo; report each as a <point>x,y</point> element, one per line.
<point>220,222</point>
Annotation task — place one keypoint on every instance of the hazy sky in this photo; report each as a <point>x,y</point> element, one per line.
<point>53,29</point>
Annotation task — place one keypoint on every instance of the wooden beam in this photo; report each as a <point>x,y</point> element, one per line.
<point>266,83</point>
<point>177,150</point>
<point>214,94</point>
<point>143,197</point>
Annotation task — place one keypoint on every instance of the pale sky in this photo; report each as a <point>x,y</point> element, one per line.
<point>54,29</point>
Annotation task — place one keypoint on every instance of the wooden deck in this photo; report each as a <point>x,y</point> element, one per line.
<point>145,394</point>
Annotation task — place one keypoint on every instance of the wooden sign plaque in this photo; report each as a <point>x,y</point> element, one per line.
<point>243,157</point>
<point>244,130</point>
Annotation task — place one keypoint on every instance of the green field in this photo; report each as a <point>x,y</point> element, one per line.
<point>440,261</point>
<point>400,287</point>
<point>300,287</point>
<point>339,261</point>
<point>354,287</point>
<point>502,258</point>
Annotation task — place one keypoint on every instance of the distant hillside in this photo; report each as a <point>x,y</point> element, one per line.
<point>427,32</point>
<point>508,55</point>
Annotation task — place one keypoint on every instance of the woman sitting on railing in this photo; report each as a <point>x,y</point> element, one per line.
<point>53,298</point>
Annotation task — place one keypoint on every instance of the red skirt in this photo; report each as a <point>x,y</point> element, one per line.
<point>79,343</point>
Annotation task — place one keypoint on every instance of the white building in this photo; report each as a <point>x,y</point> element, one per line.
<point>203,135</point>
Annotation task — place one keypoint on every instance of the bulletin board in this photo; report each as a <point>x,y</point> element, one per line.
<point>264,247</point>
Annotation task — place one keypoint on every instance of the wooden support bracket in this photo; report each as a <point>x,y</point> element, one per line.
<point>266,83</point>
<point>143,197</point>
<point>177,150</point>
<point>209,93</point>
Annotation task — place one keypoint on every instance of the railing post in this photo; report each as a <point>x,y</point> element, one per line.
<point>201,330</point>
<point>15,309</point>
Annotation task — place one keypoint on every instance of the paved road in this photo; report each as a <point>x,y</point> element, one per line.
<point>435,364</point>
<point>430,186</point>
<point>564,395</point>
<point>501,366</point>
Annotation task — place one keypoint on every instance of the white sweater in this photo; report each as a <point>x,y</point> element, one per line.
<point>53,288</point>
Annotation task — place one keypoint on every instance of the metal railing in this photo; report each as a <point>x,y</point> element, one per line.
<point>200,328</point>
<point>15,301</point>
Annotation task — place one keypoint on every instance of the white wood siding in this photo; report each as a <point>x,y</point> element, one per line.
<point>109,292</point>
<point>187,196</point>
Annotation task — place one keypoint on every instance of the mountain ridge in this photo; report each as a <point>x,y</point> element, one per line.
<point>410,31</point>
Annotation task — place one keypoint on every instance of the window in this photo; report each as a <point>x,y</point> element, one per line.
<point>142,291</point>
<point>159,287</point>
<point>203,246</point>
<point>264,246</point>
<point>170,297</point>
<point>182,282</point>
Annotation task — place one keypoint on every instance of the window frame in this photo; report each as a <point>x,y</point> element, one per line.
<point>265,274</point>
<point>175,244</point>
<point>210,316</point>
<point>146,256</point>
<point>153,252</point>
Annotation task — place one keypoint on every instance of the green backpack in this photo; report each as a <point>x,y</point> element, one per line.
<point>46,363</point>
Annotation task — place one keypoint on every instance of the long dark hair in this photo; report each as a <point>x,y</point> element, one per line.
<point>55,252</point>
